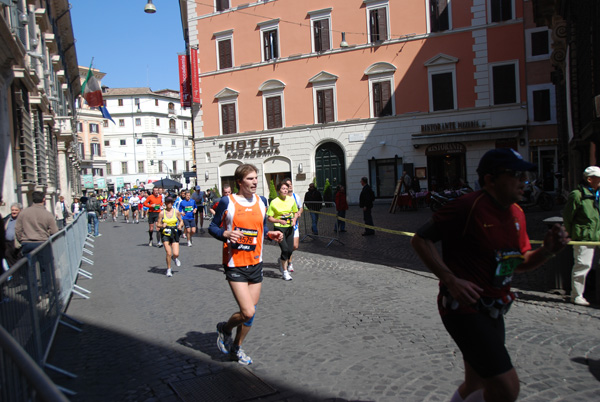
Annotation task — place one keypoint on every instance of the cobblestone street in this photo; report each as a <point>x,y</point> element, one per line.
<point>357,323</point>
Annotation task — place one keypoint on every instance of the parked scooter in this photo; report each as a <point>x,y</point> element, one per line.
<point>438,200</point>
<point>534,195</point>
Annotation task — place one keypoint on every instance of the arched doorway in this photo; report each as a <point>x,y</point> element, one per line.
<point>330,164</point>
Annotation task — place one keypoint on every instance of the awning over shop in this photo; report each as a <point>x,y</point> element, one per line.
<point>479,135</point>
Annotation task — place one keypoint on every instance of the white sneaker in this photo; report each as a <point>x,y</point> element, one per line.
<point>580,301</point>
<point>177,262</point>
<point>189,244</point>
<point>159,245</point>
<point>150,243</point>
<point>287,276</point>
<point>290,267</point>
<point>169,273</point>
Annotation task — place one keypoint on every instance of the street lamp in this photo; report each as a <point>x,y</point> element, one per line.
<point>150,8</point>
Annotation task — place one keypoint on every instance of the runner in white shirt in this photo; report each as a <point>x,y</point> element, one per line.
<point>135,202</point>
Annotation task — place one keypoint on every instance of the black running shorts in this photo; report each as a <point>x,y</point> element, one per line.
<point>249,274</point>
<point>480,338</point>
<point>153,217</point>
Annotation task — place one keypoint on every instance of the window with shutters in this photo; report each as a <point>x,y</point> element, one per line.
<point>500,10</point>
<point>225,56</point>
<point>325,105</point>
<point>377,21</point>
<point>541,104</point>
<point>95,149</point>
<point>120,102</point>
<point>273,112</point>
<point>381,93</point>
<point>228,118</point>
<point>321,34</point>
<point>124,169</point>
<point>121,122</point>
<point>221,5</point>
<point>439,15</point>
<point>504,83</point>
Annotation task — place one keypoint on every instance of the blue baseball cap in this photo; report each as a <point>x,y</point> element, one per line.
<point>498,159</point>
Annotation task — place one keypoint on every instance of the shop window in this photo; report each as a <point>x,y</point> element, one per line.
<point>504,84</point>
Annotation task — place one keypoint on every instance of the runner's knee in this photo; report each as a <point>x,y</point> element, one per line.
<point>249,321</point>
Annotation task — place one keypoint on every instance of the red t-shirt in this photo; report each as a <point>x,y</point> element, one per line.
<point>153,203</point>
<point>482,242</point>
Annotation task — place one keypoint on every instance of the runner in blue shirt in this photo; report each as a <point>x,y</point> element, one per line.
<point>188,208</point>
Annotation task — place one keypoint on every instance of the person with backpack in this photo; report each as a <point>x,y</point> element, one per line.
<point>93,209</point>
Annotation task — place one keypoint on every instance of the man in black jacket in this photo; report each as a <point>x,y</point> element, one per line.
<point>366,203</point>
<point>313,200</point>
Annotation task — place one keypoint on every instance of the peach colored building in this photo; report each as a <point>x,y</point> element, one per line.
<point>341,89</point>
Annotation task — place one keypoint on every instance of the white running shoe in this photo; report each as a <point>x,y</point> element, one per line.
<point>177,262</point>
<point>150,243</point>
<point>238,354</point>
<point>290,267</point>
<point>189,244</point>
<point>159,245</point>
<point>287,276</point>
<point>169,273</point>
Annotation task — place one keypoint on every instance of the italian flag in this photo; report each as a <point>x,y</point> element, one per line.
<point>91,91</point>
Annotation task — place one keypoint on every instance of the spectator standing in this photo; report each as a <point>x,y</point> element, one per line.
<point>61,212</point>
<point>313,201</point>
<point>35,224</point>
<point>366,199</point>
<point>13,247</point>
<point>341,206</point>
<point>406,182</point>
<point>93,209</point>
<point>76,207</point>
<point>582,222</point>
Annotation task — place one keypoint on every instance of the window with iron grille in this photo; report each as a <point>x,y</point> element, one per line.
<point>25,134</point>
<point>40,148</point>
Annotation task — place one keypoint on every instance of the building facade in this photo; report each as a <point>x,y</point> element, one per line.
<point>39,82</point>
<point>150,139</point>
<point>342,89</point>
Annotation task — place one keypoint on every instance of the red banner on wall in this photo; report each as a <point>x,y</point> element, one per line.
<point>184,81</point>
<point>195,75</point>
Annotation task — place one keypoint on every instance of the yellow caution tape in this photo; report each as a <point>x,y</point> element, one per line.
<point>411,234</point>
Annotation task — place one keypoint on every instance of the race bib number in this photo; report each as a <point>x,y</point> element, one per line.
<point>248,241</point>
<point>156,207</point>
<point>506,263</point>
<point>167,231</point>
<point>188,208</point>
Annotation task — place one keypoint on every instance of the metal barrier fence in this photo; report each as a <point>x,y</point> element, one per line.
<point>320,221</point>
<point>35,293</point>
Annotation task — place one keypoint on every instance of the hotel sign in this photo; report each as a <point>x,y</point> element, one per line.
<point>265,146</point>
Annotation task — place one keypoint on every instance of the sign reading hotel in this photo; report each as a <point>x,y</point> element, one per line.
<point>251,148</point>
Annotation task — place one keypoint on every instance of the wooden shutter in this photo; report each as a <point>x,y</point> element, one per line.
<point>325,106</point>
<point>382,99</point>
<point>228,118</point>
<point>274,117</point>
<point>225,54</point>
<point>382,23</point>
<point>321,35</point>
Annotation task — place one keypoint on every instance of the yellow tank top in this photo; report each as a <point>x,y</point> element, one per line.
<point>172,221</point>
